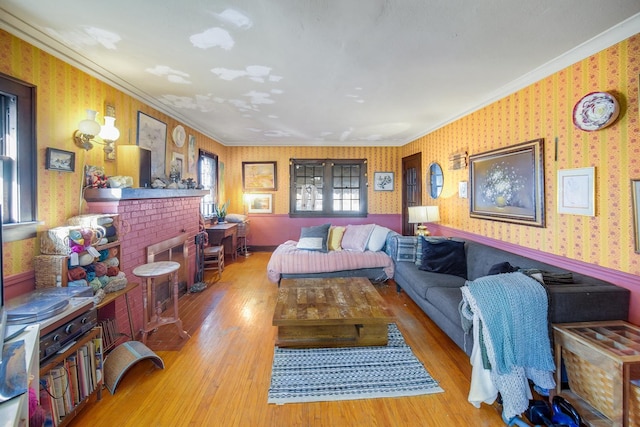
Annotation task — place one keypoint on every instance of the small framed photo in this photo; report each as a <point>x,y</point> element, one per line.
<point>260,203</point>
<point>576,191</point>
<point>383,181</point>
<point>60,160</point>
<point>259,176</point>
<point>177,163</point>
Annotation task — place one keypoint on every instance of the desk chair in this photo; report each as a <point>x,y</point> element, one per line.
<point>214,259</point>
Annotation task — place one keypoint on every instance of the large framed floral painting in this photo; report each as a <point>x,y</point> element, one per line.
<point>508,184</point>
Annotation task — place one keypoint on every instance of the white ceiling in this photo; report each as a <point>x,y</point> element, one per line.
<point>320,72</point>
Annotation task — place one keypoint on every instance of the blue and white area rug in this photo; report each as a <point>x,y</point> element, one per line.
<point>329,374</point>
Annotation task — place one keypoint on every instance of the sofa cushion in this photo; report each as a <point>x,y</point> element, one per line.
<point>444,256</point>
<point>356,237</point>
<point>377,238</point>
<point>401,248</point>
<point>314,238</point>
<point>335,238</point>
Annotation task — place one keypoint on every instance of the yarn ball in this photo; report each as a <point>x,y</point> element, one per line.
<point>100,269</point>
<point>95,284</point>
<point>85,259</point>
<point>104,254</point>
<point>90,276</point>
<point>112,262</point>
<point>77,273</point>
<point>112,271</point>
<point>104,280</point>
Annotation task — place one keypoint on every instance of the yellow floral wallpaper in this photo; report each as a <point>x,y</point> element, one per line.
<point>379,159</point>
<point>542,110</point>
<point>63,95</point>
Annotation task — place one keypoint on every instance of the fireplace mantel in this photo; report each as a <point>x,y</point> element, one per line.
<point>116,194</point>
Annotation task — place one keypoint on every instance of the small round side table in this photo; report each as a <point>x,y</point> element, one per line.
<point>152,319</point>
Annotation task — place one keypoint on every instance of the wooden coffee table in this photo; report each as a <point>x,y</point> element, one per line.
<point>331,312</point>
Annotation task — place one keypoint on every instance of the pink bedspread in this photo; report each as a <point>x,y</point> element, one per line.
<point>287,259</point>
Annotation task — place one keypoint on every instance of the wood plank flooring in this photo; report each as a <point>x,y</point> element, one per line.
<point>221,375</point>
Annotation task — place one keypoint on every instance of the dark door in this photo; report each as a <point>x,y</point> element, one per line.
<point>411,188</point>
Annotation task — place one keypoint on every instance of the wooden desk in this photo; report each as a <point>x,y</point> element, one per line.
<point>226,235</point>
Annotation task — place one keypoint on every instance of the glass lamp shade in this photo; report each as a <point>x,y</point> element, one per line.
<point>89,126</point>
<point>109,132</point>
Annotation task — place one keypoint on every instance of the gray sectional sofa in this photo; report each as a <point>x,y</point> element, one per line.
<point>439,295</point>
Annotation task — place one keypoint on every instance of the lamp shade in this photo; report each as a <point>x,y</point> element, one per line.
<point>422,214</point>
<point>89,126</point>
<point>109,131</point>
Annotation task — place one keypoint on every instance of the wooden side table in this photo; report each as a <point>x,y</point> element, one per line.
<point>152,316</point>
<point>601,359</point>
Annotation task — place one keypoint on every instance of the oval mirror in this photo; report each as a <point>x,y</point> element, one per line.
<point>436,180</point>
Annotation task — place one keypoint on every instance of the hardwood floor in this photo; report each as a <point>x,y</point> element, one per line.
<point>221,375</point>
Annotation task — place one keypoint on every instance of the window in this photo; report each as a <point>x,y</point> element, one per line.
<point>208,179</point>
<point>18,159</point>
<point>328,187</point>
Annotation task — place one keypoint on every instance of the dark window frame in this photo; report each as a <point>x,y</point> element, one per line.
<point>328,188</point>
<point>207,201</point>
<point>20,163</point>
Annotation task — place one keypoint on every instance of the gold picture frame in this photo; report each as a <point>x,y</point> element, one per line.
<point>259,176</point>
<point>507,184</point>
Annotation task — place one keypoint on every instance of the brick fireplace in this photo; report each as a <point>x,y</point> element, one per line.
<point>149,218</point>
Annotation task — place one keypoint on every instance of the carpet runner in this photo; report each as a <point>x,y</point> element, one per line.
<point>329,374</point>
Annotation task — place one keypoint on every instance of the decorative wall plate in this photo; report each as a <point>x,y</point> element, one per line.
<point>595,111</point>
<point>179,136</point>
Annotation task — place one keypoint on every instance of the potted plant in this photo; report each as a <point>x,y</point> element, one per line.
<point>221,210</point>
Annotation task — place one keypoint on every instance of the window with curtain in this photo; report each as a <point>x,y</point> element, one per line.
<point>329,187</point>
<point>208,179</point>
<point>18,159</point>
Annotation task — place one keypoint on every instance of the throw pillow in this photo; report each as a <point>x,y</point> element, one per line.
<point>421,239</point>
<point>444,256</point>
<point>356,237</point>
<point>314,238</point>
<point>378,238</point>
<point>404,250</point>
<point>335,238</point>
<point>235,218</point>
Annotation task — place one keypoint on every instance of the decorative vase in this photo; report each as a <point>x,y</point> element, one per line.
<point>220,219</point>
<point>501,202</point>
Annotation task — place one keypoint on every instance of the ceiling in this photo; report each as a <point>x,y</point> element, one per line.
<point>320,72</point>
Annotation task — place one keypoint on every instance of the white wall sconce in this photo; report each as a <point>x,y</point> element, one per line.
<point>89,128</point>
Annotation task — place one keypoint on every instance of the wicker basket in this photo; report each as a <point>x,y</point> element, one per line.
<point>48,268</point>
<point>55,241</point>
<point>596,386</point>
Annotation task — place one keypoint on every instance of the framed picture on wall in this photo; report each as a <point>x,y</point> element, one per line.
<point>576,191</point>
<point>260,203</point>
<point>383,181</point>
<point>507,184</point>
<point>152,135</point>
<point>259,176</point>
<point>60,160</point>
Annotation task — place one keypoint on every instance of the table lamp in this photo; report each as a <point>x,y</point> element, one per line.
<point>423,214</point>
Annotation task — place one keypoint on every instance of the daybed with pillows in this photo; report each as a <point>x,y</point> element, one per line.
<point>432,271</point>
<point>334,251</point>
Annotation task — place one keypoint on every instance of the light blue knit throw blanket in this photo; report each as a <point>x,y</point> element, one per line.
<point>514,311</point>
